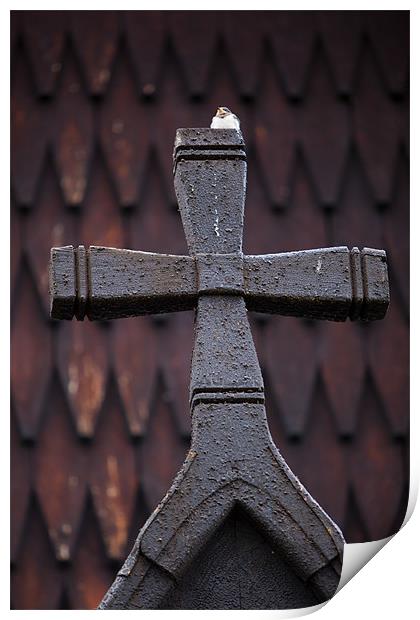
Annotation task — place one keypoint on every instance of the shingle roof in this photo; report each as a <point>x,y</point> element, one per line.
<point>100,418</point>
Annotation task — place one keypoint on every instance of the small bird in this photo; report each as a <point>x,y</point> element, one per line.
<point>225,119</point>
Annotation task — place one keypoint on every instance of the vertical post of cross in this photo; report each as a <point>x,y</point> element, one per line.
<point>210,183</point>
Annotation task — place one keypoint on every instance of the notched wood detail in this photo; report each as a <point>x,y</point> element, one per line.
<point>330,283</point>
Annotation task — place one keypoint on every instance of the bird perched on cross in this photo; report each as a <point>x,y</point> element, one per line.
<point>224,119</point>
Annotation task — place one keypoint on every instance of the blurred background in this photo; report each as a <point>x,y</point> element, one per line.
<point>100,419</point>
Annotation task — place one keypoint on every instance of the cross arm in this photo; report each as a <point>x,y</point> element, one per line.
<point>107,283</point>
<point>327,283</point>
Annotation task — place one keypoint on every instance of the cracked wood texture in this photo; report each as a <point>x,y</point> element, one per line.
<point>92,133</point>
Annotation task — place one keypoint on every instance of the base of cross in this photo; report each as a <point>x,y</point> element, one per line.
<point>236,530</point>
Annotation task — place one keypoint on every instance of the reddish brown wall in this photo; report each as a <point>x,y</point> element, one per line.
<point>99,412</point>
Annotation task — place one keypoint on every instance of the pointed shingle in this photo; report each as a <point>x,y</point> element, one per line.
<point>355,221</point>
<point>195,46</point>
<point>376,469</point>
<point>290,351</point>
<point>44,35</point>
<point>162,440</point>
<point>262,223</point>
<point>124,132</point>
<point>389,32</point>
<point>388,351</point>
<point>31,358</point>
<point>244,40</point>
<point>36,582</point>
<point>323,130</point>
<point>275,138</point>
<point>102,221</point>
<point>146,32</point>
<point>60,470</point>
<point>83,363</point>
<point>170,111</point>
<point>112,476</point>
<point>175,362</point>
<point>318,458</point>
<point>154,226</point>
<point>30,127</point>
<point>55,227</point>
<point>378,129</point>
<point>343,367</point>
<point>95,35</point>
<point>134,350</point>
<point>303,224</point>
<point>292,37</point>
<point>72,136</point>
<point>354,529</point>
<point>397,233</point>
<point>91,573</point>
<point>341,33</point>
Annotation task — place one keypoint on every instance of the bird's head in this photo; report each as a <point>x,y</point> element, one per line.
<point>222,112</point>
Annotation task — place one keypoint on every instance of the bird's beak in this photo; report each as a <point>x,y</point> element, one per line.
<point>219,112</point>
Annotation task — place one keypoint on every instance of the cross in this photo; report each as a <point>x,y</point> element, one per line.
<point>232,460</point>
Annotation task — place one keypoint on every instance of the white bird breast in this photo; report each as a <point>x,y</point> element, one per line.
<point>228,122</point>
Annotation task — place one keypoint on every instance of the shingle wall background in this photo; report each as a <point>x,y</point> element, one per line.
<point>100,419</point>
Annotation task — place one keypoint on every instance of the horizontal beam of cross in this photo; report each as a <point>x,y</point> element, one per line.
<point>328,283</point>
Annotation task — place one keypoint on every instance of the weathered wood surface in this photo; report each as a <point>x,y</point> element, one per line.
<point>238,568</point>
<point>328,283</point>
<point>232,461</point>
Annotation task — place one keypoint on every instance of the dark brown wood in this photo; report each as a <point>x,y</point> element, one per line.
<point>329,283</point>
<point>119,283</point>
<point>232,462</point>
<point>251,576</point>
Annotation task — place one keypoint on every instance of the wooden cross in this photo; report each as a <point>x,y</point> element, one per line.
<point>232,464</point>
